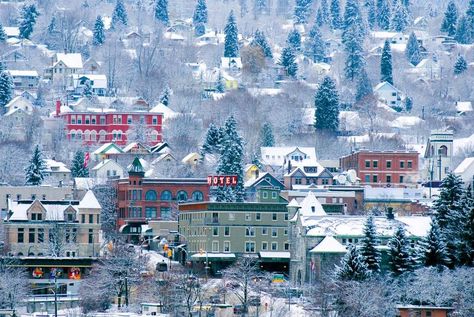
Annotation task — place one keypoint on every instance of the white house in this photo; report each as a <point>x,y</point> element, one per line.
<point>427,68</point>
<point>466,171</point>
<point>98,83</point>
<point>463,107</point>
<point>57,172</point>
<point>232,64</point>
<point>65,64</point>
<point>12,31</point>
<point>19,103</point>
<point>420,23</point>
<point>167,112</point>
<point>24,79</point>
<point>107,168</point>
<point>388,94</point>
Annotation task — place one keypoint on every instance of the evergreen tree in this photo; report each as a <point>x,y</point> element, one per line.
<point>353,23</point>
<point>6,89</point>
<point>354,53</point>
<point>231,43</point>
<point>79,167</point>
<point>323,7</point>
<point>433,247</point>
<point>383,14</point>
<point>165,96</point>
<point>302,11</point>
<point>399,252</point>
<point>230,161</point>
<point>260,40</point>
<point>3,35</point>
<point>288,61</point>
<point>220,85</point>
<point>316,47</point>
<point>200,18</point>
<point>352,266</point>
<point>120,14</point>
<point>36,168</point>
<point>364,86</point>
<point>260,6</point>
<point>399,18</point>
<point>99,32</point>
<point>27,20</point>
<point>448,200</point>
<point>371,14</point>
<point>319,18</point>
<point>386,64</point>
<point>335,15</point>
<point>161,11</point>
<point>408,104</point>
<point>52,27</point>
<point>266,135</point>
<point>413,47</point>
<point>416,58</point>
<point>294,40</point>
<point>370,254</point>
<point>212,141</point>
<point>87,92</point>
<point>465,241</point>
<point>470,20</point>
<point>450,19</point>
<point>326,102</point>
<point>462,35</point>
<point>460,66</point>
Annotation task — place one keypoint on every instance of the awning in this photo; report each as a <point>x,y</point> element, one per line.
<point>213,256</point>
<point>268,256</point>
<point>124,229</point>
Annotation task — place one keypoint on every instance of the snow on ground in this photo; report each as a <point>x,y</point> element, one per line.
<point>463,144</point>
<point>406,122</point>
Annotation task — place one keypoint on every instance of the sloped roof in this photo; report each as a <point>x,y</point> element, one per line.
<point>108,148</point>
<point>136,166</point>
<point>105,162</point>
<point>310,206</point>
<point>71,60</point>
<point>132,145</point>
<point>23,73</point>
<point>383,85</point>
<point>277,154</point>
<point>52,164</point>
<point>89,201</point>
<point>329,245</point>
<point>468,161</point>
<point>54,212</point>
<point>165,110</point>
<point>293,203</point>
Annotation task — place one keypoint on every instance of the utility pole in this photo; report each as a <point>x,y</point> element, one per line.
<point>55,295</point>
<point>126,291</point>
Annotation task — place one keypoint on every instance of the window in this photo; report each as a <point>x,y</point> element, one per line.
<point>83,218</point>
<point>285,232</point>
<point>165,195</point>
<point>73,119</point>
<point>18,197</point>
<point>409,164</point>
<point>249,247</point>
<point>88,120</point>
<point>286,217</point>
<point>375,164</point>
<point>258,216</point>
<point>402,164</point>
<point>264,231</point>
<point>325,181</point>
<point>274,232</point>
<point>401,178</point>
<point>154,121</point>
<point>165,213</point>
<point>150,212</point>
<point>367,163</point>
<point>215,231</point>
<point>215,246</point>
<point>182,196</point>
<point>375,179</point>
<point>226,231</point>
<point>274,216</point>
<point>389,164</point>
<point>248,217</point>
<point>274,195</point>
<point>198,196</point>
<point>287,246</point>
<point>298,181</point>
<point>93,120</point>
<point>150,195</point>
<point>40,235</point>
<point>394,94</point>
<point>79,119</point>
<point>265,195</point>
<point>31,235</point>
<point>264,246</point>
<point>20,235</point>
<point>367,178</point>
<point>70,217</point>
<point>91,236</point>
<point>91,218</point>
<point>443,150</point>
<point>274,246</point>
<point>129,120</point>
<point>389,178</point>
<point>102,120</point>
<point>250,232</point>
<point>226,246</point>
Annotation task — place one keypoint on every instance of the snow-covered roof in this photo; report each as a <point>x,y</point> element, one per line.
<point>167,112</point>
<point>463,144</point>
<point>417,226</point>
<point>265,91</point>
<point>71,60</point>
<point>229,62</point>
<point>19,103</point>
<point>108,148</point>
<point>191,156</point>
<point>465,164</point>
<point>385,85</point>
<point>276,155</point>
<point>293,203</point>
<point>12,31</point>
<point>105,162</point>
<point>134,145</point>
<point>329,245</point>
<point>406,121</point>
<point>86,183</point>
<point>173,36</point>
<point>383,34</point>
<point>310,206</point>
<point>99,81</point>
<point>89,201</point>
<point>464,106</point>
<point>54,211</point>
<point>23,73</point>
<point>56,167</point>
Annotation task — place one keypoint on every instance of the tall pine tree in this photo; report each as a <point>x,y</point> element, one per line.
<point>99,32</point>
<point>364,86</point>
<point>383,14</point>
<point>412,51</point>
<point>3,35</point>
<point>354,53</point>
<point>470,20</point>
<point>336,22</point>
<point>6,89</point>
<point>302,11</point>
<point>161,11</point>
<point>294,40</point>
<point>315,45</point>
<point>465,230</point>
<point>200,17</point>
<point>433,248</point>
<point>323,7</point>
<point>353,23</point>
<point>460,66</point>
<point>386,64</point>
<point>352,266</point>
<point>119,16</point>
<point>399,21</point>
<point>371,14</point>
<point>266,135</point>
<point>260,40</point>
<point>231,43</point>
<point>212,141</point>
<point>326,102</point>
<point>399,257</point>
<point>448,200</point>
<point>288,61</point>
<point>27,20</point>
<point>370,254</point>
<point>78,167</point>
<point>450,19</point>
<point>463,35</point>
<point>36,168</point>
<point>220,84</point>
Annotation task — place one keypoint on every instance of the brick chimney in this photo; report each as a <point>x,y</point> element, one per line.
<point>58,107</point>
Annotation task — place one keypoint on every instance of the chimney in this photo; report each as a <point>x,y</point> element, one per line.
<point>58,107</point>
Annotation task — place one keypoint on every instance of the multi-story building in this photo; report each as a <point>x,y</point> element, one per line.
<point>438,156</point>
<point>62,228</point>
<point>24,79</point>
<point>143,199</point>
<point>103,126</point>
<point>383,168</point>
<point>218,232</point>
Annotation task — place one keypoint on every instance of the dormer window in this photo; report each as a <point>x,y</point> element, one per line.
<point>36,216</point>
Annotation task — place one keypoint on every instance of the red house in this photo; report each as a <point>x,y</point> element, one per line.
<point>142,199</point>
<point>109,126</point>
<point>383,168</point>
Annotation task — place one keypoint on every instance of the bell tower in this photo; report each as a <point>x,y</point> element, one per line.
<point>438,155</point>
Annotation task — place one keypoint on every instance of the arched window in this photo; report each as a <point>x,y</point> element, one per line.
<point>20,254</point>
<point>198,196</point>
<point>182,196</point>
<point>165,195</point>
<point>102,135</point>
<point>79,135</point>
<point>443,150</point>
<point>154,135</point>
<point>150,195</point>
<point>72,134</point>
<point>87,135</point>
<point>93,135</point>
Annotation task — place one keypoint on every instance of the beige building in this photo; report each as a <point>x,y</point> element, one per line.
<point>54,228</point>
<point>16,193</point>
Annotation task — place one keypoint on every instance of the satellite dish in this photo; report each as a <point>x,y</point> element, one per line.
<point>341,179</point>
<point>352,176</point>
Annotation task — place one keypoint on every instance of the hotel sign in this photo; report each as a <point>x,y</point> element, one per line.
<point>222,180</point>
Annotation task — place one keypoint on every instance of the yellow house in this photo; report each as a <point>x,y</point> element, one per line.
<point>192,159</point>
<point>230,82</point>
<point>251,172</point>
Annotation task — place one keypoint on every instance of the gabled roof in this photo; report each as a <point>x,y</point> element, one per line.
<point>71,60</point>
<point>162,146</point>
<point>89,201</point>
<point>465,164</point>
<point>54,211</point>
<point>105,162</point>
<point>310,206</point>
<point>329,245</point>
<point>136,167</point>
<point>23,73</point>
<point>135,145</point>
<point>385,84</point>
<point>263,179</point>
<point>108,148</point>
<point>55,166</point>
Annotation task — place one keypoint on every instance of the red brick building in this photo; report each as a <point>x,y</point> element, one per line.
<point>383,168</point>
<point>142,199</point>
<point>104,127</point>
